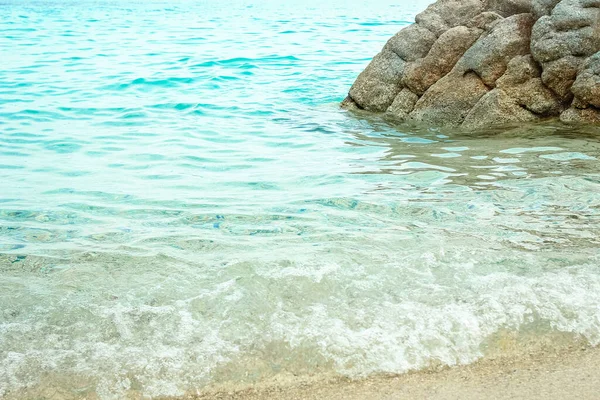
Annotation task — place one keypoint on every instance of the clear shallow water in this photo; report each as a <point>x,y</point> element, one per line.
<point>182,203</point>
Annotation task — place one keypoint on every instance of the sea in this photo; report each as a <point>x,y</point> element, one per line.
<point>184,205</point>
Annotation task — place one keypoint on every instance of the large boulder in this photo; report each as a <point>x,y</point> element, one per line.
<point>445,52</point>
<point>586,87</point>
<point>490,55</point>
<point>586,90</point>
<point>559,75</point>
<point>411,43</point>
<point>449,101</point>
<point>522,82</point>
<point>497,107</point>
<point>575,115</point>
<point>539,8</point>
<point>475,63</point>
<point>403,104</point>
<point>446,14</point>
<point>510,7</point>
<point>377,86</point>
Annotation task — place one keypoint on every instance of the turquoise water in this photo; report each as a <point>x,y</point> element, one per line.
<point>183,204</point>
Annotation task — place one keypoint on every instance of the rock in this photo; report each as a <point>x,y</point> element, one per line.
<point>486,20</point>
<point>442,57</point>
<point>496,108</point>
<point>549,42</point>
<point>445,14</point>
<point>586,88</point>
<point>449,100</point>
<point>576,115</point>
<point>573,15</point>
<point>520,70</point>
<point>560,74</point>
<point>411,43</point>
<point>350,104</point>
<point>539,8</point>
<point>403,104</point>
<point>510,7</point>
<point>522,82</point>
<point>562,40</point>
<point>473,63</point>
<point>489,56</point>
<point>377,86</point>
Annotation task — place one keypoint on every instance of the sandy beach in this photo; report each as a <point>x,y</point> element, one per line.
<point>570,373</point>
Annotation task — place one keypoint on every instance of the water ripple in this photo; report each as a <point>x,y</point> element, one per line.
<point>180,192</point>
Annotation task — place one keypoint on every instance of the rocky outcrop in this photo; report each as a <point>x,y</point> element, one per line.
<point>474,63</point>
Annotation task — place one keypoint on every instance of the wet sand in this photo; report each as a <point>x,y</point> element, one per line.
<point>571,373</point>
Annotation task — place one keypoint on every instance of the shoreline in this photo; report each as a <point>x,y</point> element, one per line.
<point>571,372</point>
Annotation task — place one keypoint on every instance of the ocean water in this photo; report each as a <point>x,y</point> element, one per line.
<point>183,204</point>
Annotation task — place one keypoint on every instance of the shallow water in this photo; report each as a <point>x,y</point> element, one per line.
<point>183,203</point>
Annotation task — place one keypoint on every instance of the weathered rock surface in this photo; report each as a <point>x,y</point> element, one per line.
<point>497,107</point>
<point>475,63</point>
<point>377,86</point>
<point>445,52</point>
<point>522,82</point>
<point>449,101</point>
<point>403,104</point>
<point>587,86</point>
